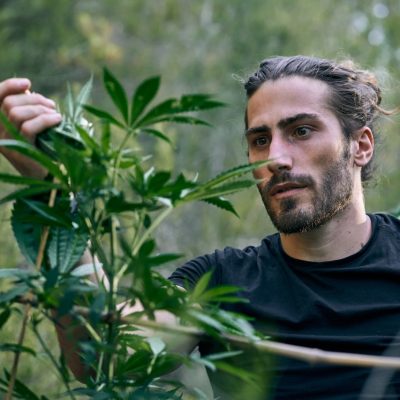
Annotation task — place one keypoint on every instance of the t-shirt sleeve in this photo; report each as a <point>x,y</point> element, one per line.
<point>189,274</point>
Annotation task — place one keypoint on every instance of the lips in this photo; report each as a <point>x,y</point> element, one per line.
<point>285,187</point>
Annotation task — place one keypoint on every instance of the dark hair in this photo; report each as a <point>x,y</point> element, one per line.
<point>355,95</point>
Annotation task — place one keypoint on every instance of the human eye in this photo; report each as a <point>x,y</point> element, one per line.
<point>261,141</point>
<point>302,132</point>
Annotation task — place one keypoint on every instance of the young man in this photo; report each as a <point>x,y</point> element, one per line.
<point>329,278</point>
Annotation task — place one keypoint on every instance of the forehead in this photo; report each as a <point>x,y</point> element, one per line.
<point>284,97</point>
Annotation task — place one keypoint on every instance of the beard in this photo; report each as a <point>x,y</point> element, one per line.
<point>332,197</point>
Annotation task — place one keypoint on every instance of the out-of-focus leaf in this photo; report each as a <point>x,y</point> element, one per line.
<point>4,316</point>
<point>117,93</point>
<point>105,136</point>
<point>143,95</point>
<point>22,180</point>
<point>11,294</point>
<point>201,286</point>
<point>31,152</point>
<point>157,134</point>
<point>156,344</point>
<point>23,193</point>
<point>15,273</point>
<point>11,129</point>
<point>12,347</point>
<point>162,259</point>
<point>21,390</point>
<point>240,373</point>
<point>179,119</point>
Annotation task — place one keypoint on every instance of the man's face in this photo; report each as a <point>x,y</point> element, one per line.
<point>310,177</point>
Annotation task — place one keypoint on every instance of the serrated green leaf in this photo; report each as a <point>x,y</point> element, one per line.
<point>222,203</point>
<point>66,247</point>
<point>203,192</point>
<point>143,95</point>
<point>103,115</point>
<point>234,173</point>
<point>187,103</point>
<point>158,180</point>
<point>117,93</point>
<point>27,234</point>
<point>50,214</point>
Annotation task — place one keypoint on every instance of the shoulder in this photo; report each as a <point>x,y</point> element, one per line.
<point>386,223</point>
<point>226,264</point>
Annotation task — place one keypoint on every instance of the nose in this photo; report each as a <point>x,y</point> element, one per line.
<point>279,155</point>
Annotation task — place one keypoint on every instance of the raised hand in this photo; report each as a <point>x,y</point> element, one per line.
<point>31,113</point>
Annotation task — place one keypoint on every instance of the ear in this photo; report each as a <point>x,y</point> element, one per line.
<point>363,146</point>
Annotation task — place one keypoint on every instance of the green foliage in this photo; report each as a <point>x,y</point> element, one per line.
<point>112,199</point>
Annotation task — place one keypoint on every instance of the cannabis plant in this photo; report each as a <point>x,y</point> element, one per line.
<point>107,197</point>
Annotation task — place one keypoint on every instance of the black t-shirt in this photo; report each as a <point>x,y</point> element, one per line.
<point>348,305</point>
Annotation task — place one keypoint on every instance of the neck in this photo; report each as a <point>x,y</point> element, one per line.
<point>341,237</point>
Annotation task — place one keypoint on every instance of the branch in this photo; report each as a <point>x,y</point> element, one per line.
<point>311,355</point>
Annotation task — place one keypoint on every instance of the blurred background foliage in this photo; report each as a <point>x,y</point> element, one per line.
<point>199,46</point>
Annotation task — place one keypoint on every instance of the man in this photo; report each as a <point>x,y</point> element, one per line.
<point>328,279</point>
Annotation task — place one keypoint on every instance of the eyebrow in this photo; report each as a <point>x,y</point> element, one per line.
<point>283,123</point>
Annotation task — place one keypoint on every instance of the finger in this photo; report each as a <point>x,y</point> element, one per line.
<point>18,115</point>
<point>13,86</point>
<point>32,127</point>
<point>25,99</point>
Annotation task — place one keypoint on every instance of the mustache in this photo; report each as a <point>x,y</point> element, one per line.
<point>284,177</point>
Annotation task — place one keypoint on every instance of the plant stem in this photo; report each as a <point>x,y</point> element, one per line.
<point>151,228</point>
<point>27,310</point>
<point>54,362</point>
